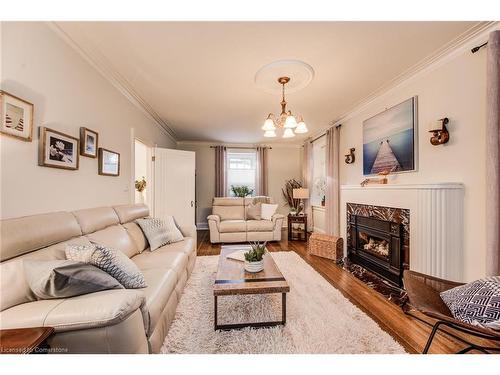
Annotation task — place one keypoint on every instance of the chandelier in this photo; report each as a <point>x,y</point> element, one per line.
<point>285,120</point>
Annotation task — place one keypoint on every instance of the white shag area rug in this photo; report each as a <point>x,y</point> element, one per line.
<point>319,318</point>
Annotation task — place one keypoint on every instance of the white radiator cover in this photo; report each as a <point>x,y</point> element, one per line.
<point>436,222</point>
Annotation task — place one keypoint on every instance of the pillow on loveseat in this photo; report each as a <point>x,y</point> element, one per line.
<point>254,211</point>
<point>268,210</point>
<point>112,261</point>
<point>476,303</point>
<point>66,278</point>
<point>159,232</point>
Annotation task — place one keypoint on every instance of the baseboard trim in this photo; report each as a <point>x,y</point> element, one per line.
<point>202,226</point>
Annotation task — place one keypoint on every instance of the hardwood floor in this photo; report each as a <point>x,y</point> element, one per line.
<point>411,333</point>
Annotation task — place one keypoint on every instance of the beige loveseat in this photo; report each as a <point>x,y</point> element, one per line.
<point>111,321</point>
<point>229,222</point>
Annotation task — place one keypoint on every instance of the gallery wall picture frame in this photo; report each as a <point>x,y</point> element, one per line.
<point>89,142</point>
<point>57,150</point>
<point>109,162</point>
<point>16,117</point>
<point>390,140</point>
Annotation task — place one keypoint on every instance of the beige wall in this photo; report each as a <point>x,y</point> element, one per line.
<point>453,88</point>
<point>284,163</point>
<point>67,92</point>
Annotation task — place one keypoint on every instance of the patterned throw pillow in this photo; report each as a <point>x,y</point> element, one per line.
<point>476,303</point>
<point>159,232</point>
<point>112,261</point>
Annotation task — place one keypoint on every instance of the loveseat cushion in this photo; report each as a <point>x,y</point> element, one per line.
<point>260,226</point>
<point>161,285</point>
<point>86,311</point>
<point>232,226</point>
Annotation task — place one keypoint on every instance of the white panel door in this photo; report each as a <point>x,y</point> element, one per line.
<point>174,185</point>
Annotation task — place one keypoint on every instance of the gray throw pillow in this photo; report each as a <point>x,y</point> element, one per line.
<point>160,232</point>
<point>254,210</point>
<point>112,261</point>
<point>476,303</point>
<point>66,278</point>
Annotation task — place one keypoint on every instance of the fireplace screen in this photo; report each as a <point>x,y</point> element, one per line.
<point>374,245</point>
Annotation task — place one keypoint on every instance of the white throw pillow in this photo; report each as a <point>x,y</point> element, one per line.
<point>268,210</point>
<point>160,232</point>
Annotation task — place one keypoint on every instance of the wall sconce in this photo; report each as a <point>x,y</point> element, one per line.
<point>440,134</point>
<point>350,158</point>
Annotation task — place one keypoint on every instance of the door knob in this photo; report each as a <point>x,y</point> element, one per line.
<point>192,203</point>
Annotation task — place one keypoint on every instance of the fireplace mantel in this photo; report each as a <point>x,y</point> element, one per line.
<point>436,221</point>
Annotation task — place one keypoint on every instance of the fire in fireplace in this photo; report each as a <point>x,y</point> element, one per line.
<point>377,245</point>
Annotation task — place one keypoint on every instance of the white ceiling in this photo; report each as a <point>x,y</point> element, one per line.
<point>199,76</point>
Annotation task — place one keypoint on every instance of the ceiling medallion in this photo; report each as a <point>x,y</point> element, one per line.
<point>285,120</point>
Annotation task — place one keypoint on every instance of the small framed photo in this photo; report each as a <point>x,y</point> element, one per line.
<point>16,116</point>
<point>109,162</point>
<point>57,150</point>
<point>89,142</point>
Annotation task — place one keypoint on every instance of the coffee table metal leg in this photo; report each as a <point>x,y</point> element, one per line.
<point>215,313</point>
<point>283,308</point>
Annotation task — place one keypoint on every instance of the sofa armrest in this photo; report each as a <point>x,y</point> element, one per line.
<point>188,230</point>
<point>275,217</point>
<point>87,311</point>
<point>214,217</point>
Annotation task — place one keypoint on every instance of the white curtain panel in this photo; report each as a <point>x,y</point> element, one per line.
<point>220,171</point>
<point>307,164</point>
<point>493,156</point>
<point>261,185</point>
<point>332,212</point>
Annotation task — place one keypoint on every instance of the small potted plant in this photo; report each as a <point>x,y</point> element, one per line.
<point>241,191</point>
<point>254,258</point>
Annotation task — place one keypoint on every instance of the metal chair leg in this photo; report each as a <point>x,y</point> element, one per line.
<point>431,337</point>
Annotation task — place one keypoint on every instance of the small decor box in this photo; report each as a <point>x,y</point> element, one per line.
<point>326,246</point>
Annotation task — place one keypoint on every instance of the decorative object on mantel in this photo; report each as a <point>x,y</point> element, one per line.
<point>300,194</point>
<point>109,162</point>
<point>89,142</point>
<point>349,157</point>
<point>440,134</point>
<point>382,181</point>
<point>57,150</point>
<point>389,140</point>
<point>285,120</point>
<point>254,261</point>
<point>288,194</point>
<point>16,117</point>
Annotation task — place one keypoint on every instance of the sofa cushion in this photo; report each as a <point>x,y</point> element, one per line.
<point>25,234</point>
<point>130,212</point>
<point>66,278</point>
<point>260,226</point>
<point>162,258</point>
<point>229,212</point>
<point>135,232</point>
<point>93,219</point>
<point>86,311</point>
<point>116,237</point>
<point>187,246</point>
<point>161,284</point>
<point>231,226</point>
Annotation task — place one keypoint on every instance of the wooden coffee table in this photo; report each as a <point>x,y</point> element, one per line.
<point>233,280</point>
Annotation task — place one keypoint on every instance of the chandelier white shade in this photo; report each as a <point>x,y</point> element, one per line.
<point>286,120</point>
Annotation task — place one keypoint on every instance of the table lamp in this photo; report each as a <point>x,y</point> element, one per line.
<point>301,194</point>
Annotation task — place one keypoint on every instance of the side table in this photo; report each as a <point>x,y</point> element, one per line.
<point>297,234</point>
<point>25,340</point>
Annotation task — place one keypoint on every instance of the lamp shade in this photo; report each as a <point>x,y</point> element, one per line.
<point>301,193</point>
<point>288,133</point>
<point>301,128</point>
<point>269,134</point>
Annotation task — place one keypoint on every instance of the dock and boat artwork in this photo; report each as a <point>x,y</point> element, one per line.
<point>389,140</point>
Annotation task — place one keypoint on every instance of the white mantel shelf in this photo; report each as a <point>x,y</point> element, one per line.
<point>436,221</point>
<point>446,185</point>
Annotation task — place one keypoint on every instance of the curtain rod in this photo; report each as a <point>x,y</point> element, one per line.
<point>246,148</point>
<point>323,134</point>
<point>477,48</point>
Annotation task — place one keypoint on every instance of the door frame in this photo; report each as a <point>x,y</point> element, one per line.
<point>150,170</point>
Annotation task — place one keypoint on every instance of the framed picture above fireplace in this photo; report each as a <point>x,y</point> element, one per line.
<point>390,140</point>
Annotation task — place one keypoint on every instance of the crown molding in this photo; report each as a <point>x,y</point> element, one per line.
<point>205,143</point>
<point>104,67</point>
<point>463,43</point>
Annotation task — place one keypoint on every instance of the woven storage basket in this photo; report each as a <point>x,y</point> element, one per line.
<point>326,246</point>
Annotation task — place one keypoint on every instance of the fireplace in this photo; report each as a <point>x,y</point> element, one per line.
<point>378,240</point>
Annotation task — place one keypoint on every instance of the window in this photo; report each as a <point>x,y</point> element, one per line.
<point>241,169</point>
<point>318,171</point>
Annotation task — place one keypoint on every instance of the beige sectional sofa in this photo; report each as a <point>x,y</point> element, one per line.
<point>229,222</point>
<point>111,321</point>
